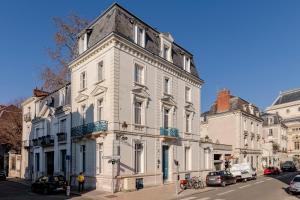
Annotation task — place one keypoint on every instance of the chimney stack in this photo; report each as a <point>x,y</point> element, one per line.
<point>223,101</point>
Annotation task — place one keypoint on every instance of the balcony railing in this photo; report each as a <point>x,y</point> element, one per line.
<point>89,128</point>
<point>46,140</point>
<point>36,142</point>
<point>61,137</point>
<point>169,132</point>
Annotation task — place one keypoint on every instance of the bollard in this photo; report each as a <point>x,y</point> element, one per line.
<point>68,191</point>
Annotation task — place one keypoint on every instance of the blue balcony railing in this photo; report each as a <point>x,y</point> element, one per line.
<point>169,132</point>
<point>89,128</point>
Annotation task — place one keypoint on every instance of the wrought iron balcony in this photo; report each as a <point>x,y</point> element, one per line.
<point>169,132</point>
<point>47,140</point>
<point>89,128</point>
<point>61,137</point>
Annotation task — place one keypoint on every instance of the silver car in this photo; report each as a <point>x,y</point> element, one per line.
<point>295,184</point>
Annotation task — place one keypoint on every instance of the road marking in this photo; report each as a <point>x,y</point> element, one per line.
<point>244,186</point>
<point>225,192</point>
<point>189,198</point>
<point>268,179</point>
<point>205,198</point>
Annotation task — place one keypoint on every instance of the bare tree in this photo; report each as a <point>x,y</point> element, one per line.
<point>65,39</point>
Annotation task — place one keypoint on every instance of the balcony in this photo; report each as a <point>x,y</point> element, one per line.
<point>36,142</point>
<point>61,137</point>
<point>89,128</point>
<point>27,117</point>
<point>46,140</point>
<point>169,132</point>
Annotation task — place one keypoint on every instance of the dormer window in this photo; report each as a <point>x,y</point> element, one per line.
<point>83,41</point>
<point>187,64</point>
<point>139,36</point>
<point>166,41</point>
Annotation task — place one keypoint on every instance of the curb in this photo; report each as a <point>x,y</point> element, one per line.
<point>187,195</point>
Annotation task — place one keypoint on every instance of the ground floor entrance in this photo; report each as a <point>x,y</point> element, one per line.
<point>49,156</point>
<point>165,162</point>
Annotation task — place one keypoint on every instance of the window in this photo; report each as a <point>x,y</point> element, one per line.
<point>187,164</point>
<point>139,74</point>
<point>187,94</point>
<point>62,126</point>
<point>100,109</point>
<point>82,149</point>
<point>83,113</point>
<point>245,124</point>
<point>82,80</point>
<point>138,112</point>
<point>63,161</point>
<point>99,150</point>
<point>297,145</point>
<point>166,52</point>
<point>188,123</point>
<point>13,163</point>
<point>166,118</point>
<point>138,157</point>
<point>270,132</point>
<point>186,64</point>
<point>140,36</point>
<point>37,162</point>
<point>100,71</point>
<point>62,97</point>
<point>167,85</point>
<point>252,127</point>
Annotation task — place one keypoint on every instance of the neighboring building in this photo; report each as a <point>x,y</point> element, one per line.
<point>287,105</point>
<point>136,100</point>
<point>46,133</point>
<point>234,121</point>
<point>12,162</point>
<point>274,140</point>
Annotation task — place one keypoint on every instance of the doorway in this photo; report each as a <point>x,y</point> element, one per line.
<point>49,162</point>
<point>165,162</point>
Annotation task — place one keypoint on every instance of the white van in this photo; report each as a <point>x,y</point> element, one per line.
<point>243,171</point>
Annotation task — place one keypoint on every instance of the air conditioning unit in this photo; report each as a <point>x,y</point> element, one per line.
<point>129,184</point>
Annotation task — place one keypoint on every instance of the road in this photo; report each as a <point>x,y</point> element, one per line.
<point>264,188</point>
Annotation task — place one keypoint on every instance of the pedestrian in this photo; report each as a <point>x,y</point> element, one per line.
<point>80,180</point>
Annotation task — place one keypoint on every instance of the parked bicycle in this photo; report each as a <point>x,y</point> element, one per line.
<point>194,182</point>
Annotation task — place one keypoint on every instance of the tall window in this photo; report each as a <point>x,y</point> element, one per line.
<point>99,156</point>
<point>245,124</point>
<point>62,97</point>
<point>62,126</point>
<point>166,52</point>
<point>139,159</point>
<point>82,80</point>
<point>252,127</point>
<point>139,36</point>
<point>100,109</point>
<point>37,162</point>
<point>270,132</point>
<point>187,164</point>
<point>100,71</point>
<point>188,123</point>
<point>83,113</point>
<point>138,74</point>
<point>138,112</point>
<point>187,94</point>
<point>82,149</point>
<point>297,145</point>
<point>166,118</point>
<point>187,64</point>
<point>167,85</point>
<point>63,160</point>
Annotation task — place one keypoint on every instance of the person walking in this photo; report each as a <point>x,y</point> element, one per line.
<point>80,180</point>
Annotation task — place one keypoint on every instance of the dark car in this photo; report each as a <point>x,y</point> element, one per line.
<point>272,171</point>
<point>288,166</point>
<point>2,175</point>
<point>222,178</point>
<point>48,184</point>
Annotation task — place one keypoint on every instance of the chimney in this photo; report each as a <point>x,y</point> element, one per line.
<point>39,93</point>
<point>223,101</point>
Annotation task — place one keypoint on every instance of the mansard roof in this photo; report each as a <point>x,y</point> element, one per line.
<point>288,96</point>
<point>118,20</point>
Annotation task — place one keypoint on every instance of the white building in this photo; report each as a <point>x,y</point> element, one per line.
<point>135,96</point>
<point>287,106</point>
<point>46,134</point>
<point>236,122</point>
<point>274,140</point>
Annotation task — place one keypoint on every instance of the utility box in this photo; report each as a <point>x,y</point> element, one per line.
<point>129,184</point>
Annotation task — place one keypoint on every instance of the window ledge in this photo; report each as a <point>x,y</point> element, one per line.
<point>139,84</point>
<point>188,102</point>
<point>188,133</point>
<point>101,81</point>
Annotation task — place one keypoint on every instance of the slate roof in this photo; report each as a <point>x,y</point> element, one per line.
<point>276,118</point>
<point>118,20</point>
<point>288,96</point>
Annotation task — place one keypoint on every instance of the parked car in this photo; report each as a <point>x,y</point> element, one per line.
<point>272,171</point>
<point>295,185</point>
<point>222,178</point>
<point>2,175</point>
<point>48,184</point>
<point>288,166</point>
<point>243,171</point>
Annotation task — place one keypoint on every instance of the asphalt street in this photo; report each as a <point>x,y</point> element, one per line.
<point>264,188</point>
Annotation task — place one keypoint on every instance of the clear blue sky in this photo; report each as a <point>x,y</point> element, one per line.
<point>251,47</point>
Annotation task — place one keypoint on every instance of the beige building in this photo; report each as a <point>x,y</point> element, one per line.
<point>287,105</point>
<point>234,121</point>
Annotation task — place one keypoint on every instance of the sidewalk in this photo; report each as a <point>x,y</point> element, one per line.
<point>164,192</point>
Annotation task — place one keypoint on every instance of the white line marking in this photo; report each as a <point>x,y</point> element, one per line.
<point>258,182</point>
<point>189,198</point>
<point>244,186</point>
<point>268,179</point>
<point>205,198</point>
<point>225,192</point>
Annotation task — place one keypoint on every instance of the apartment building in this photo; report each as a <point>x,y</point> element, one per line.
<point>234,121</point>
<point>46,134</point>
<point>135,106</point>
